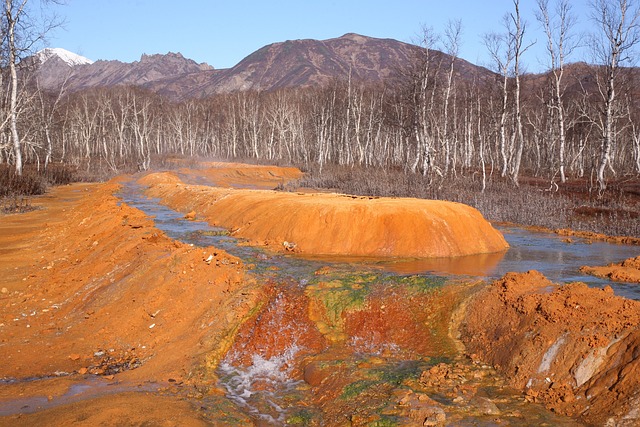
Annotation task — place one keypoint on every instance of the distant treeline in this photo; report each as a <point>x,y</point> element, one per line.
<point>575,121</point>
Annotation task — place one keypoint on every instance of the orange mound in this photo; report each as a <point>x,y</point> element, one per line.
<point>223,174</point>
<point>571,347</point>
<point>334,224</point>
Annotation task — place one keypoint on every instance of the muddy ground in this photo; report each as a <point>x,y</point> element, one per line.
<point>107,321</point>
<point>625,271</point>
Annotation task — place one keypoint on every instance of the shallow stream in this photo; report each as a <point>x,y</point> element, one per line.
<point>356,336</point>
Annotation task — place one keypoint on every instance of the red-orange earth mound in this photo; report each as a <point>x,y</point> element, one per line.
<point>335,224</point>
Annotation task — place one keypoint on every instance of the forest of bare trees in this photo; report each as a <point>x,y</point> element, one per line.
<point>577,121</point>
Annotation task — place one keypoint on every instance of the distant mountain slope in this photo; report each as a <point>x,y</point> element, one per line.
<point>299,63</point>
<point>70,58</point>
<point>54,70</point>
<point>293,63</point>
<point>311,62</point>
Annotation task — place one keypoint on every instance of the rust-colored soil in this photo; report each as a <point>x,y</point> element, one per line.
<point>625,271</point>
<point>238,175</point>
<point>107,321</point>
<point>91,290</point>
<point>625,240</point>
<point>335,224</point>
<point>571,347</point>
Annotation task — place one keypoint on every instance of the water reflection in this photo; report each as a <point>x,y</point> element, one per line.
<point>548,253</point>
<point>472,265</point>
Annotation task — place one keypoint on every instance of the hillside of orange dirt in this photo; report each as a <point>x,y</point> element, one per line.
<point>625,271</point>
<point>335,224</point>
<point>95,298</point>
<point>221,174</point>
<point>571,347</point>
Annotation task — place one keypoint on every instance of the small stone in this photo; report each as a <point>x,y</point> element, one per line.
<point>190,216</point>
<point>485,405</point>
<point>4,290</point>
<point>82,371</point>
<point>289,246</point>
<point>436,418</point>
<point>74,356</point>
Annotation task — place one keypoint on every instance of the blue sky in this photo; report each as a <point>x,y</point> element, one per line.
<point>221,33</point>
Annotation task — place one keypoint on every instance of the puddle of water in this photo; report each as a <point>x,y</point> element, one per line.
<point>560,261</point>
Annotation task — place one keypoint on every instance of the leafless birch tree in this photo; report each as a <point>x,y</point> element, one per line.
<point>618,23</point>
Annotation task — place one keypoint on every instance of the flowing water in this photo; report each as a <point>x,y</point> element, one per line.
<point>356,336</point>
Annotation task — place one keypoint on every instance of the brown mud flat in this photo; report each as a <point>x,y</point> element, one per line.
<point>573,348</point>
<point>625,271</point>
<point>335,224</point>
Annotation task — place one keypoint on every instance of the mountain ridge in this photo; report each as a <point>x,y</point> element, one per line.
<point>290,63</point>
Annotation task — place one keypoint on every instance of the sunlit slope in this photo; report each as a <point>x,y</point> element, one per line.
<point>335,224</point>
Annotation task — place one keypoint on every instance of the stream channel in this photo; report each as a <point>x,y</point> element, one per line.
<point>345,336</point>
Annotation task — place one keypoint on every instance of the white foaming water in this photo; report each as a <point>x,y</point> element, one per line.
<point>259,387</point>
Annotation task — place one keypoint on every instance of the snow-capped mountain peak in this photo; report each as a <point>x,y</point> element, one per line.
<point>70,58</point>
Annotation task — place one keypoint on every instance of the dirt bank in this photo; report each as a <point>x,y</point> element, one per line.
<point>573,348</point>
<point>588,235</point>
<point>240,175</point>
<point>92,291</point>
<point>625,271</point>
<point>334,224</point>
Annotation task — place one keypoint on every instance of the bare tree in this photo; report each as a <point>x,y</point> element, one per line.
<point>560,44</point>
<point>453,35</point>
<point>20,33</point>
<point>516,33</point>
<point>13,10</point>
<point>501,50</point>
<point>423,100</point>
<point>619,33</point>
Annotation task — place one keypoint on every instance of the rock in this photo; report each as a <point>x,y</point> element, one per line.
<point>435,416</point>
<point>315,374</point>
<point>190,216</point>
<point>423,409</point>
<point>289,246</point>
<point>4,290</point>
<point>485,405</point>
<point>74,357</point>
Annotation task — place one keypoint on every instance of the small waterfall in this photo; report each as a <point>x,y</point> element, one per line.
<point>261,373</point>
<point>259,387</point>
